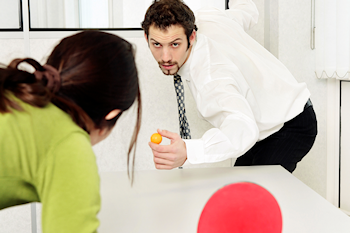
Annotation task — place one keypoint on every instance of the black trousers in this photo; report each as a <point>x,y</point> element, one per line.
<point>287,146</point>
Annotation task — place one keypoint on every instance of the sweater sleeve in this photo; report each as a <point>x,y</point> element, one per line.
<point>70,187</point>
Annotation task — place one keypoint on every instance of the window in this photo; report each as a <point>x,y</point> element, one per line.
<point>10,15</point>
<point>102,14</point>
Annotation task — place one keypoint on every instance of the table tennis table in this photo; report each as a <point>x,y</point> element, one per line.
<point>167,201</point>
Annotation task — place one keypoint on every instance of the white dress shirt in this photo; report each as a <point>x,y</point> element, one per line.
<point>239,87</point>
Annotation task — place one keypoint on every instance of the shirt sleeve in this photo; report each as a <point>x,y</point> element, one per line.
<point>70,187</point>
<point>244,12</point>
<point>221,102</point>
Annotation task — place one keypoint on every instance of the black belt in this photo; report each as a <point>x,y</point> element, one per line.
<point>308,104</point>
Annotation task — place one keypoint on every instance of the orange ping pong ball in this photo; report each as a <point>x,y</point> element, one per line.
<point>156,138</point>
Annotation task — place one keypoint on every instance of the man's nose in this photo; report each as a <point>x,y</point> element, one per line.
<point>166,55</point>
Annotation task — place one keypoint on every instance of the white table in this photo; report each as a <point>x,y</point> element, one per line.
<point>172,201</point>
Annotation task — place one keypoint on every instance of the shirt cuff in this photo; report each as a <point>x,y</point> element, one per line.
<point>195,151</point>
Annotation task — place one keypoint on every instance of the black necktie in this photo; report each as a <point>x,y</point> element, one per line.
<point>180,94</point>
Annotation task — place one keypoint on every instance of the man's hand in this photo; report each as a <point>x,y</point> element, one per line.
<point>169,156</point>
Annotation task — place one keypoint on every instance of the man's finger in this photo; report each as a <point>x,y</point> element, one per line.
<point>168,134</point>
<point>162,148</point>
<point>161,161</point>
<point>163,167</point>
<point>158,148</point>
<point>166,156</point>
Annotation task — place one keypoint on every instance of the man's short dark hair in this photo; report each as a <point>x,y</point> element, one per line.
<point>164,13</point>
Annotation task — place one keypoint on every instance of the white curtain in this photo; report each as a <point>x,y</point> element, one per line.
<point>332,42</point>
<point>94,14</point>
<point>54,14</point>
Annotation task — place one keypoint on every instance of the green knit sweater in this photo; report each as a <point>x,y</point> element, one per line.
<point>45,157</point>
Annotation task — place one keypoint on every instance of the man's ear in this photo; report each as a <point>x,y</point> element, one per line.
<point>146,37</point>
<point>193,37</point>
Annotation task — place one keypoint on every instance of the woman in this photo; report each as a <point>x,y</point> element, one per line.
<point>50,119</point>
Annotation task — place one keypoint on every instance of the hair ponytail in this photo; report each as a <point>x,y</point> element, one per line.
<point>23,85</point>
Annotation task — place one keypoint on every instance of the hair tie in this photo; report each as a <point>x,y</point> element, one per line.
<point>52,75</point>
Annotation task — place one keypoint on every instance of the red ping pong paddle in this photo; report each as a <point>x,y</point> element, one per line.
<point>241,207</point>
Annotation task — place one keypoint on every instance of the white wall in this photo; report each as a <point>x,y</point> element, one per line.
<point>16,219</point>
<point>345,148</point>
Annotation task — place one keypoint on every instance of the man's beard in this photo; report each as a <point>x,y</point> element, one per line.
<point>167,72</point>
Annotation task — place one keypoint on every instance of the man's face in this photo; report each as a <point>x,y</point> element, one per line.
<point>169,47</point>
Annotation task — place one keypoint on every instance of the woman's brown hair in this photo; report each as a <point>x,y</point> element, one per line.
<point>98,74</point>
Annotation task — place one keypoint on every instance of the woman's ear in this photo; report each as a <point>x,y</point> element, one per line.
<point>112,114</point>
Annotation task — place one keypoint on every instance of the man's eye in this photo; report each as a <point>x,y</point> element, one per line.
<point>156,45</point>
<point>175,45</point>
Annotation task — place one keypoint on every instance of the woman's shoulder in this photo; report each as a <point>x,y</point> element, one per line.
<point>43,126</point>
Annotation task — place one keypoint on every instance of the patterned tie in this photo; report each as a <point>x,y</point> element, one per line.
<point>180,94</point>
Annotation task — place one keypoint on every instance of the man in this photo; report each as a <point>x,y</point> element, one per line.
<point>261,114</point>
